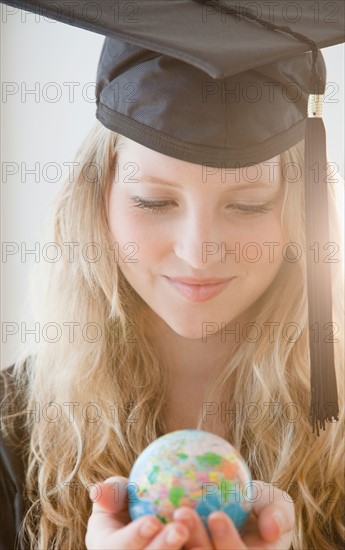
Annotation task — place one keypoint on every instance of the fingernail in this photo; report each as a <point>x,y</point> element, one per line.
<point>278,521</point>
<point>183,515</point>
<point>174,536</point>
<point>219,526</point>
<point>148,529</point>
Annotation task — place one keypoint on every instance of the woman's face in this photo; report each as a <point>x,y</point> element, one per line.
<point>207,223</point>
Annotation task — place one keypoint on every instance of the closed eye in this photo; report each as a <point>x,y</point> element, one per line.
<point>161,206</point>
<point>251,208</point>
<point>153,206</point>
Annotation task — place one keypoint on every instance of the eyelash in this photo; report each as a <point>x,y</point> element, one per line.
<point>157,207</point>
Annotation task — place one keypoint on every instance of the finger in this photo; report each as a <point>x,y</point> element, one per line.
<point>173,537</point>
<point>110,495</point>
<point>224,533</point>
<point>109,508</point>
<point>198,534</point>
<point>275,521</point>
<point>134,536</point>
<point>275,511</point>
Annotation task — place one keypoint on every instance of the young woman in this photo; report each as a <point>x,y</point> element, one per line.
<point>148,354</point>
<point>179,301</point>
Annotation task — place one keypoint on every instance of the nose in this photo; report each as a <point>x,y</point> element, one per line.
<point>199,240</point>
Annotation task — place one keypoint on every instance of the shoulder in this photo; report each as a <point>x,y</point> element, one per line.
<point>13,397</point>
<point>13,449</point>
<point>12,403</point>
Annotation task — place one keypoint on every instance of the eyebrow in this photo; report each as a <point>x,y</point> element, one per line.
<point>256,185</point>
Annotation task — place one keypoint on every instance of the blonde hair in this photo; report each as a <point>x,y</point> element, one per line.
<point>98,389</point>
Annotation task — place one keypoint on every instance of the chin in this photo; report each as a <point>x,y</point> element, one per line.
<point>190,334</point>
<point>190,330</point>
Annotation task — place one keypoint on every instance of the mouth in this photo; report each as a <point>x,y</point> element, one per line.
<point>199,292</point>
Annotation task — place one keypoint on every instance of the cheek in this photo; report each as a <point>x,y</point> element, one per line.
<point>133,238</point>
<point>262,242</point>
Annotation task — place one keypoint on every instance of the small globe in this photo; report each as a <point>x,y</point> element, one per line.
<point>190,468</point>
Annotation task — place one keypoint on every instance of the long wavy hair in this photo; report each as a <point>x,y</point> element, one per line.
<point>98,388</point>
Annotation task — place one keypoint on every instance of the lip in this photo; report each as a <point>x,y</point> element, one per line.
<point>198,292</point>
<point>194,281</point>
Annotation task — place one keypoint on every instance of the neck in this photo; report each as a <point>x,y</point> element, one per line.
<point>191,367</point>
<point>191,359</point>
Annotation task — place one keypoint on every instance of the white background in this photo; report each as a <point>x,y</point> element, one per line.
<point>35,52</point>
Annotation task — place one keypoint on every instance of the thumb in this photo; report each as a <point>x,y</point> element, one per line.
<point>111,494</point>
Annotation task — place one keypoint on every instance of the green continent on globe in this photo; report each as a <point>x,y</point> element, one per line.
<point>175,495</point>
<point>209,458</point>
<point>152,477</point>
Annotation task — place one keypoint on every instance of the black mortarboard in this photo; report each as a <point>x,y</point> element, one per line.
<point>212,81</point>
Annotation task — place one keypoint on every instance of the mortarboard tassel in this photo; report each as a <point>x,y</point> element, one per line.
<point>324,394</point>
<point>323,382</point>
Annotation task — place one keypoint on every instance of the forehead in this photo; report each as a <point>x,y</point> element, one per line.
<point>154,165</point>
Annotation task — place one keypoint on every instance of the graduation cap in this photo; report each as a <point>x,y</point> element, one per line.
<point>212,81</point>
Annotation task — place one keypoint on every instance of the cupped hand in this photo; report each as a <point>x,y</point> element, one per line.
<point>110,525</point>
<point>269,526</point>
